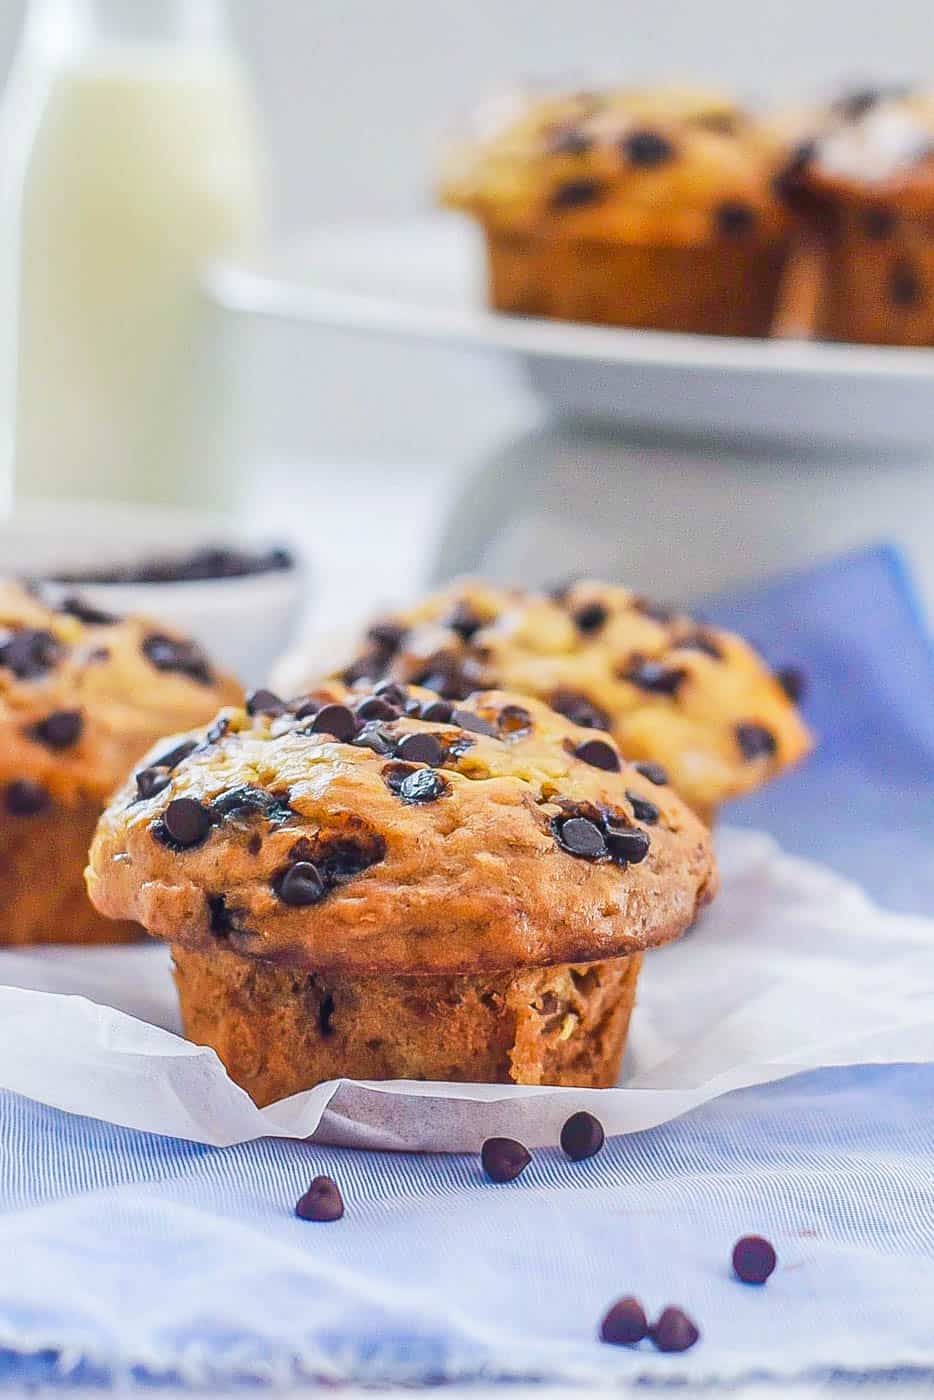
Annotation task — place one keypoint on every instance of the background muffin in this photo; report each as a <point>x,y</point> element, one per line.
<point>633,208</point>
<point>82,695</point>
<point>690,697</point>
<point>386,885</point>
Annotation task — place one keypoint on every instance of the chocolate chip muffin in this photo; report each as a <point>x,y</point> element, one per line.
<point>631,208</point>
<point>384,884</point>
<point>864,178</point>
<point>696,700</point>
<point>82,695</point>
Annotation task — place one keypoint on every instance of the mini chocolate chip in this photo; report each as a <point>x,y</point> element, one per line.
<point>580,837</point>
<point>582,1136</point>
<point>878,222</point>
<point>674,1331</point>
<point>654,677</point>
<point>514,719</point>
<point>735,219</point>
<point>322,1201</point>
<point>599,754</point>
<point>642,809</point>
<point>178,654</point>
<point>628,845</point>
<point>591,618</point>
<point>654,772</point>
<point>904,285</point>
<point>793,682</point>
<point>625,1324</point>
<point>374,736</point>
<point>24,798</point>
<point>754,1259</point>
<point>264,702</point>
<point>59,730</point>
<point>150,782</point>
<point>393,692</point>
<point>573,194</point>
<point>579,710</point>
<point>336,720</point>
<point>445,676</point>
<point>186,822</point>
<point>438,711</point>
<point>174,757</point>
<point>476,724</point>
<point>423,785</point>
<point>645,148</point>
<point>388,635</point>
<point>376,707</point>
<point>420,748</point>
<point>703,642</point>
<point>85,612</point>
<point>325,1015</point>
<point>463,620</point>
<point>569,141</point>
<point>217,730</point>
<point>30,652</point>
<point>300,884</point>
<point>755,740</point>
<point>657,612</point>
<point>504,1159</point>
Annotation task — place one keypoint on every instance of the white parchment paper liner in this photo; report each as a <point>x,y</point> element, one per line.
<point>791,969</point>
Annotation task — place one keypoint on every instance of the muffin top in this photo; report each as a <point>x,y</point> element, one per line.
<point>871,142</point>
<point>689,696</point>
<point>670,165</point>
<point>393,832</point>
<point>83,694</point>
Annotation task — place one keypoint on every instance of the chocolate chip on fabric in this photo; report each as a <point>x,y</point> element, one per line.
<point>599,754</point>
<point>437,711</point>
<point>654,677</point>
<point>628,845</point>
<point>464,621</point>
<point>754,1259</point>
<point>76,607</point>
<point>186,822</point>
<point>579,709</point>
<point>574,194</point>
<point>476,724</point>
<point>674,1331</point>
<point>150,782</point>
<point>645,148</point>
<point>504,1159</point>
<point>59,730</point>
<point>580,837</point>
<point>878,222</point>
<point>735,219</point>
<point>321,1202</point>
<point>301,884</point>
<point>264,702</point>
<point>423,785</point>
<point>29,652</point>
<point>590,618</point>
<point>336,720</point>
<point>642,809</point>
<point>582,1136</point>
<point>625,1324</point>
<point>179,655</point>
<point>654,772</point>
<point>376,707</point>
<point>904,285</point>
<point>24,798</point>
<point>514,719</point>
<point>755,741</point>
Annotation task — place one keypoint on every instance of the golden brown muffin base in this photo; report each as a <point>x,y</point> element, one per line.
<point>43,898</point>
<point>279,1031</point>
<point>719,288</point>
<point>864,273</point>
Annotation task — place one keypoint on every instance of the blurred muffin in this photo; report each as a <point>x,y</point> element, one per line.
<point>631,208</point>
<point>864,176</point>
<point>696,700</point>
<point>389,886</point>
<point>82,695</point>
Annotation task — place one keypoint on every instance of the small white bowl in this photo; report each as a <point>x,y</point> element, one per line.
<point>244,624</point>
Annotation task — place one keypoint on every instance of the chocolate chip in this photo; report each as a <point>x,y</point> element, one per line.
<point>445,675</point>
<point>374,736</point>
<point>322,1201</point>
<point>368,666</point>
<point>591,618</point>
<point>420,748</point>
<point>376,707</point>
<point>654,677</point>
<point>904,285</point>
<point>335,720</point>
<point>703,642</point>
<point>173,757</point>
<point>793,682</point>
<point>300,884</point>
<point>396,694</point>
<point>734,219</point>
<point>573,194</point>
<point>180,655</point>
<point>674,1331</point>
<point>423,785</point>
<point>325,1015</point>
<point>217,730</point>
<point>577,708</point>
<point>599,754</point>
<point>30,652</point>
<point>582,1136</point>
<point>580,837</point>
<point>645,148</point>
<point>514,719</point>
<point>24,798</point>
<point>150,782</point>
<point>642,809</point>
<point>504,1159</point>
<point>569,141</point>
<point>247,800</point>
<point>628,845</point>
<point>654,772</point>
<point>59,730</point>
<point>755,740</point>
<point>464,621</point>
<point>625,1324</point>
<point>476,724</point>
<point>388,635</point>
<point>306,708</point>
<point>754,1259</point>
<point>264,702</point>
<point>878,222</point>
<point>346,856</point>
<point>438,711</point>
<point>225,920</point>
<point>395,774</point>
<point>186,822</point>
<point>86,612</point>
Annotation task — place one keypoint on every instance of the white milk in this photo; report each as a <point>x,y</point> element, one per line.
<point>143,164</point>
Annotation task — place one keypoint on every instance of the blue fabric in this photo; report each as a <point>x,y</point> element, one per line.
<point>126,1256</point>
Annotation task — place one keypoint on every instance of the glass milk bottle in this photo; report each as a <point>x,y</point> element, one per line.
<point>128,156</point>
